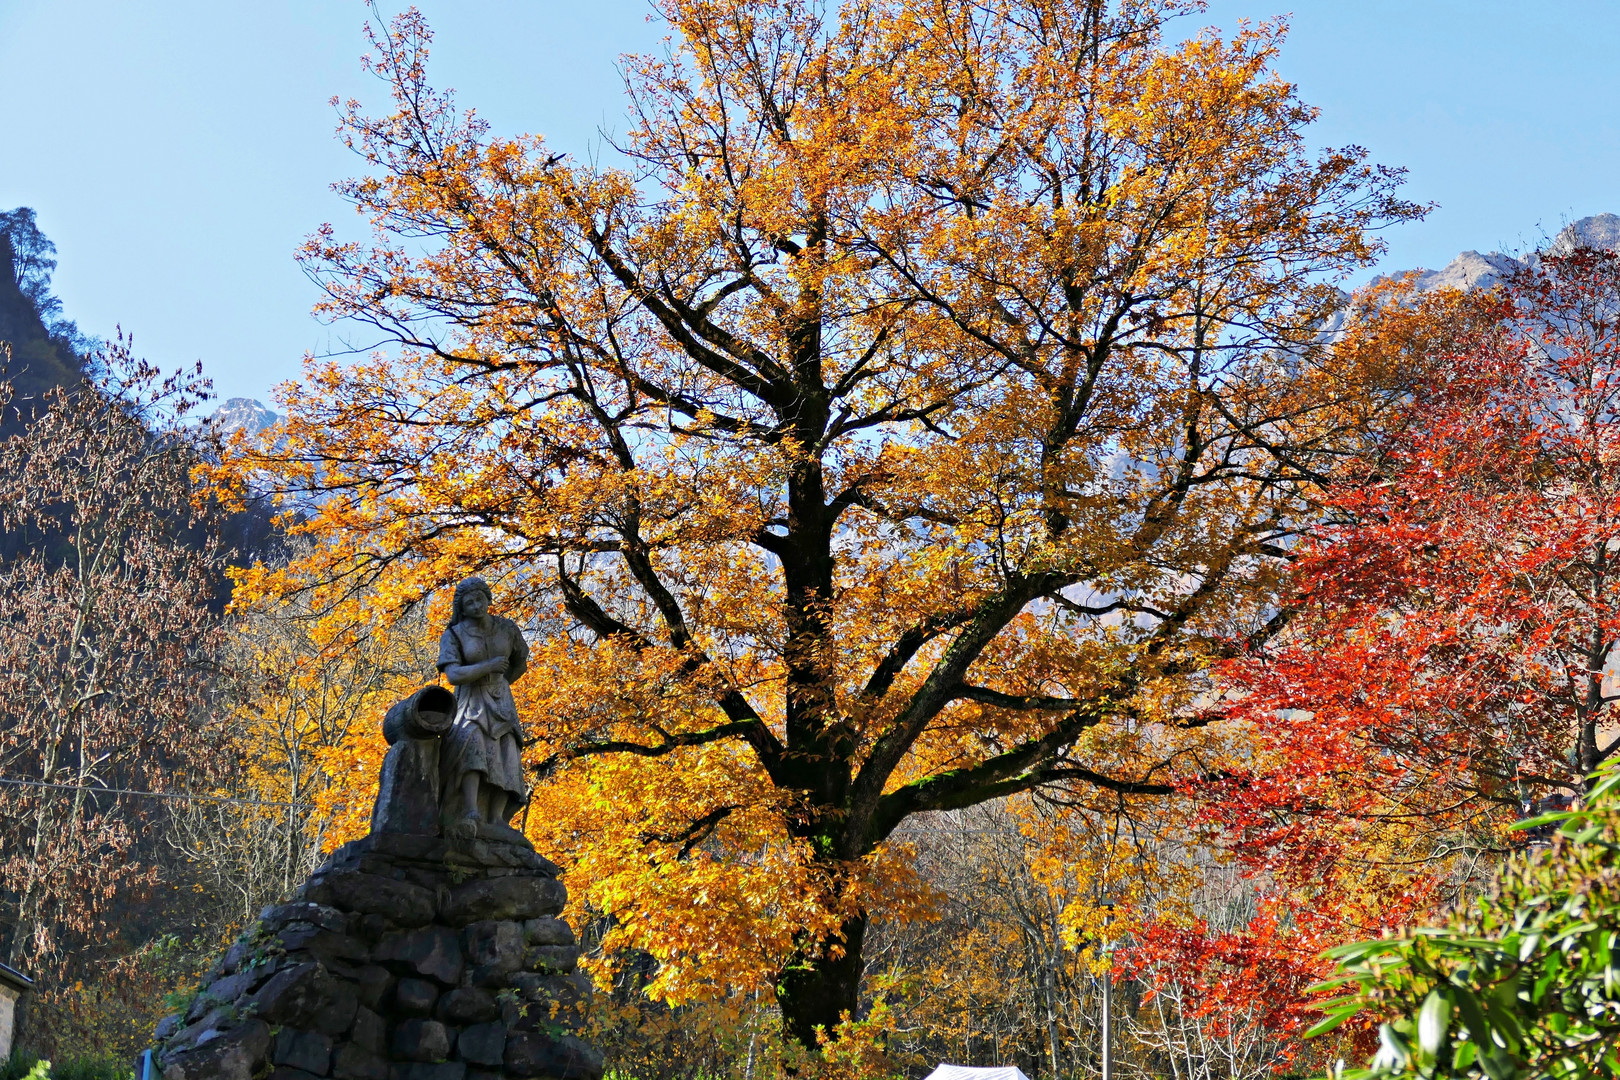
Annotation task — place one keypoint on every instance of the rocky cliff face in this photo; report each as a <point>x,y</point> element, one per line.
<point>404,957</point>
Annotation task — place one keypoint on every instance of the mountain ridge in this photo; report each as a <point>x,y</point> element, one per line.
<point>1476,270</point>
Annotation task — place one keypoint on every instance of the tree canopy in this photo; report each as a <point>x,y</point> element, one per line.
<point>1451,658</point>
<point>46,348</point>
<point>926,397</point>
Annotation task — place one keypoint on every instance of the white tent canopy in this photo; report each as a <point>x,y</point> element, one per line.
<point>968,1072</point>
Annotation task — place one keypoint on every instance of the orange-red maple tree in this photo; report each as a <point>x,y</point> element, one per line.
<point>1237,993</point>
<point>1451,655</point>
<point>929,394</point>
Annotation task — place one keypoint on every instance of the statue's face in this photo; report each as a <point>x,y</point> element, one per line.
<point>475,605</point>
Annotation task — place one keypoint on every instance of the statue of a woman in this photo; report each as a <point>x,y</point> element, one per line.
<point>480,770</point>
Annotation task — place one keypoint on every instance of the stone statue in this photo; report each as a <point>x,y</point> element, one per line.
<point>480,770</point>
<point>429,949</point>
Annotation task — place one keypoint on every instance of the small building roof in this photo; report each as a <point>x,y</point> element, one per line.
<point>14,979</point>
<point>969,1072</point>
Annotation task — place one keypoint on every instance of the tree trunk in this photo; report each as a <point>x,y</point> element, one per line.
<point>817,991</point>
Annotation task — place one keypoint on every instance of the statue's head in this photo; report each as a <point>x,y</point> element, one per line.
<point>473,586</point>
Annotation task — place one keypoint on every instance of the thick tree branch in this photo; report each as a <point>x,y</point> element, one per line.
<point>988,619</point>
<point>1025,766</point>
<point>901,652</point>
<point>1024,702</point>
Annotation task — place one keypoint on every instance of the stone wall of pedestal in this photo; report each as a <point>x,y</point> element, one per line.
<point>404,957</point>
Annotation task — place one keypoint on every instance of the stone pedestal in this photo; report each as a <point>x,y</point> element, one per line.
<point>404,957</point>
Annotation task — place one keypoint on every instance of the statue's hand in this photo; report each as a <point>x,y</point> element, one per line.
<point>496,665</point>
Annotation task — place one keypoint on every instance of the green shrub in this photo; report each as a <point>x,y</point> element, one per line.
<point>23,1066</point>
<point>1525,985</point>
<point>20,1066</point>
<point>92,1069</point>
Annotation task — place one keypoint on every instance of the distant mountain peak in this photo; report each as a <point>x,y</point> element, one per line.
<point>1597,231</point>
<point>1472,270</point>
<point>242,414</point>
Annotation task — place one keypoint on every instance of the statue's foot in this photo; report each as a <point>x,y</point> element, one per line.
<point>465,828</point>
<point>505,834</point>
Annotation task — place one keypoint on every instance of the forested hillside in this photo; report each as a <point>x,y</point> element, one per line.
<point>113,670</point>
<point>46,349</point>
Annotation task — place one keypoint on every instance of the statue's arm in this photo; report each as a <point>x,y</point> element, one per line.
<point>459,674</point>
<point>450,662</point>
<point>518,662</point>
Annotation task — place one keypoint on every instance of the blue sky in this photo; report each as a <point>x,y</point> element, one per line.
<point>177,151</point>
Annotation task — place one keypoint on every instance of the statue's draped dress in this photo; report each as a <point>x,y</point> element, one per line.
<point>484,737</point>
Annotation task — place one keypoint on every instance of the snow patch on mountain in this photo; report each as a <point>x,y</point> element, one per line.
<point>247,415</point>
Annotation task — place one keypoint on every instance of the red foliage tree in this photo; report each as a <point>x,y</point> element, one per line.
<point>1450,646</point>
<point>1228,1001</point>
<point>1451,649</point>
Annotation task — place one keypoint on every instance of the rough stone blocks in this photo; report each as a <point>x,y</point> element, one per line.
<point>404,957</point>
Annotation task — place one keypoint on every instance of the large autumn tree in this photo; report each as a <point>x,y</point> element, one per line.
<point>927,393</point>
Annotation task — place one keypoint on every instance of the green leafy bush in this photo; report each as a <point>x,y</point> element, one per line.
<point>21,1066</point>
<point>1525,985</point>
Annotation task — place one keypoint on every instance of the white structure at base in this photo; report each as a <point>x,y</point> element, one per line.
<point>13,985</point>
<point>968,1072</point>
